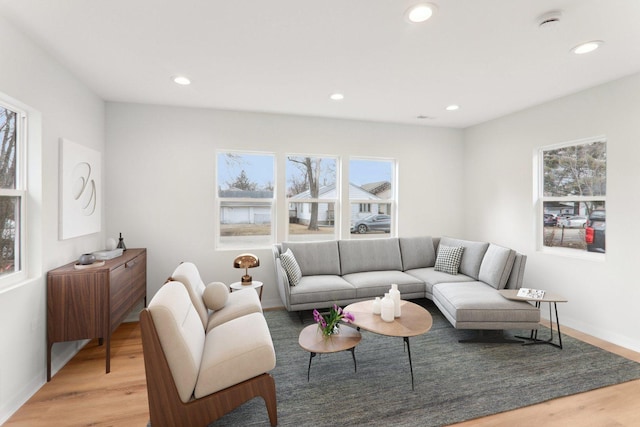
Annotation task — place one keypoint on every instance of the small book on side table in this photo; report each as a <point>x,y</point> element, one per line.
<point>531,293</point>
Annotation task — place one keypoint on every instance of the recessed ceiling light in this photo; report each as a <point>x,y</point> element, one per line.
<point>337,96</point>
<point>452,107</point>
<point>420,12</point>
<point>587,47</point>
<point>181,80</point>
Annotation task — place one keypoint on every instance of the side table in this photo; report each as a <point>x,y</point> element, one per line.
<point>312,340</point>
<point>253,285</point>
<point>549,298</point>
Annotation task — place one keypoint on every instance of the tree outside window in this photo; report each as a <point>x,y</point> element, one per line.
<point>311,197</point>
<point>11,191</point>
<point>574,195</point>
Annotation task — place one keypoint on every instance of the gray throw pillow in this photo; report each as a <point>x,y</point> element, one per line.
<point>291,267</point>
<point>448,260</point>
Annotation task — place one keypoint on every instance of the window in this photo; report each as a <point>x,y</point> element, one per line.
<point>573,195</point>
<point>12,189</point>
<point>312,195</point>
<point>372,197</point>
<point>245,199</point>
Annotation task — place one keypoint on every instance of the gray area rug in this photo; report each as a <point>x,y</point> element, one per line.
<point>453,381</point>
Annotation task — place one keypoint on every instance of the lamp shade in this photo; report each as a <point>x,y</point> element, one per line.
<point>246,261</point>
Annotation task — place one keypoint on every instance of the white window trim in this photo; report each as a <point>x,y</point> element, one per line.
<point>541,199</point>
<point>393,201</point>
<point>218,245</point>
<point>26,250</point>
<point>336,211</point>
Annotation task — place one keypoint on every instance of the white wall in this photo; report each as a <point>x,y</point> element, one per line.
<point>66,109</point>
<point>499,192</point>
<point>161,178</point>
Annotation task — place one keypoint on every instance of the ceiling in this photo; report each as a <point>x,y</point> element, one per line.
<point>287,56</point>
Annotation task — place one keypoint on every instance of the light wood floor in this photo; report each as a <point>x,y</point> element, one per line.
<point>82,395</point>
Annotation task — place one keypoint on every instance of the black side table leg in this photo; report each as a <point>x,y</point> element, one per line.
<point>311,356</point>
<point>355,364</point>
<point>406,341</point>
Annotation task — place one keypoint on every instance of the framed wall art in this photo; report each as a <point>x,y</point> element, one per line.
<point>80,190</point>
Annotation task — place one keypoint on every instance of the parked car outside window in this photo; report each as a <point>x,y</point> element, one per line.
<point>573,222</point>
<point>595,231</point>
<point>378,222</point>
<point>550,219</point>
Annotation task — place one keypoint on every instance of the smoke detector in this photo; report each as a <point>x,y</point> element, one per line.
<point>550,19</point>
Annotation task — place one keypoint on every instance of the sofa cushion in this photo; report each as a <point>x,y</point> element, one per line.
<point>315,257</point>
<point>370,284</point>
<point>290,265</point>
<point>479,304</point>
<point>431,277</point>
<point>417,252</point>
<point>322,288</point>
<point>239,303</point>
<point>234,352</point>
<point>496,266</point>
<point>448,259</point>
<point>369,255</point>
<point>472,256</point>
<point>215,295</point>
<point>187,273</point>
<point>181,335</point>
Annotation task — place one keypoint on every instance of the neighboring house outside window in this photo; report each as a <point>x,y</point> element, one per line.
<point>573,195</point>
<point>312,197</point>
<point>372,197</point>
<point>245,200</point>
<point>12,191</point>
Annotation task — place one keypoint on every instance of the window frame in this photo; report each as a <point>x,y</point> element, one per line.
<point>20,191</point>
<point>392,201</point>
<point>542,199</point>
<point>249,201</point>
<point>319,200</point>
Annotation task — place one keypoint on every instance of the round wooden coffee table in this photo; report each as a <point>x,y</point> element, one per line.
<point>312,340</point>
<point>414,320</point>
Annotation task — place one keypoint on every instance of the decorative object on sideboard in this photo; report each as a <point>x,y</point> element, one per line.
<point>121,244</point>
<point>108,254</point>
<point>86,259</point>
<point>111,244</point>
<point>246,261</point>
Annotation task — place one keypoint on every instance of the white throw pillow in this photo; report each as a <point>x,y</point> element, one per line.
<point>291,267</point>
<point>448,260</point>
<point>215,295</point>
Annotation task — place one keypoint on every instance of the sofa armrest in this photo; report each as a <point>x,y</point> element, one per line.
<point>282,280</point>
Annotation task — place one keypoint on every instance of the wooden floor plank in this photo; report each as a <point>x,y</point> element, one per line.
<point>81,394</point>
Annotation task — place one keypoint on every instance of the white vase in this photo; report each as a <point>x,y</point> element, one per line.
<point>394,293</point>
<point>376,305</point>
<point>387,309</point>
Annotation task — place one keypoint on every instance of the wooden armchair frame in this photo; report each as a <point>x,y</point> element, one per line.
<point>165,406</point>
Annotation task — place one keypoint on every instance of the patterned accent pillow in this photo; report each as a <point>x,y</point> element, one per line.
<point>448,260</point>
<point>291,267</point>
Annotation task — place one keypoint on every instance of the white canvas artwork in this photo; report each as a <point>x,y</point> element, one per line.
<point>80,190</point>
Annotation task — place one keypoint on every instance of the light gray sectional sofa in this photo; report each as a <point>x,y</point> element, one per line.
<point>346,271</point>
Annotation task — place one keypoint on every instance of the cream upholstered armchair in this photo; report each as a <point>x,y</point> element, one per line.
<point>213,302</point>
<point>194,378</point>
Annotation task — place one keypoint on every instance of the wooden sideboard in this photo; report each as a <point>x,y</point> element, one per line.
<point>91,302</point>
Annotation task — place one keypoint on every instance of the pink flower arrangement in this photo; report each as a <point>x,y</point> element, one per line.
<point>328,323</point>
